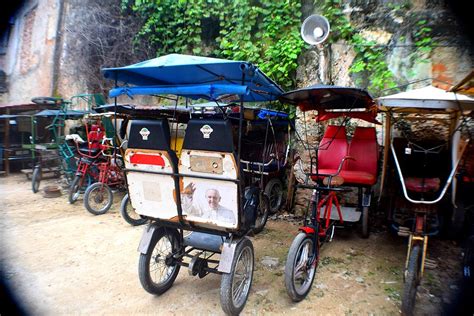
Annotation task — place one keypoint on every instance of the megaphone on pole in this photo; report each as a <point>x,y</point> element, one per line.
<point>315,29</point>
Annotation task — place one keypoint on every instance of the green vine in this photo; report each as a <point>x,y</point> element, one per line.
<point>369,65</point>
<point>370,57</point>
<point>266,33</point>
<point>263,32</point>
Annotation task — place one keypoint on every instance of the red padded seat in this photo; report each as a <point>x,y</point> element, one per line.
<point>364,149</point>
<point>95,137</point>
<point>332,149</point>
<point>358,177</point>
<point>422,185</point>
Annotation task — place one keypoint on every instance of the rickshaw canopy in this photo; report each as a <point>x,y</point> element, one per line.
<point>328,97</point>
<point>429,98</point>
<point>195,77</point>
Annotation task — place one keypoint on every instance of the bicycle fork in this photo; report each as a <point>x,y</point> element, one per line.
<point>415,237</point>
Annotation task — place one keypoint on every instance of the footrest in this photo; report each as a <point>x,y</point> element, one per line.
<point>349,214</point>
<point>204,241</point>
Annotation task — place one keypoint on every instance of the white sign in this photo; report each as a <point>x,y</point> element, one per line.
<point>206,131</point>
<point>144,132</point>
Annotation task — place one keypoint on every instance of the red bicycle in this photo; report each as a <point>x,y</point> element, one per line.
<point>98,197</point>
<point>87,171</point>
<point>303,256</point>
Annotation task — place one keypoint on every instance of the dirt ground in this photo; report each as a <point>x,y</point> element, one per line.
<point>59,259</point>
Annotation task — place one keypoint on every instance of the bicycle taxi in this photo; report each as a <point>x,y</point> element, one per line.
<point>427,132</point>
<point>59,155</point>
<point>194,195</point>
<point>336,166</point>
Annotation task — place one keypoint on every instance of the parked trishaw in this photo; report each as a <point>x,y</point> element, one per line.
<point>58,154</point>
<point>336,166</point>
<point>194,193</point>
<point>265,149</point>
<point>426,133</point>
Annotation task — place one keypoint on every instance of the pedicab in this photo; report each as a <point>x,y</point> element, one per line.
<point>199,209</point>
<point>177,116</point>
<point>60,154</point>
<point>265,150</point>
<point>100,164</point>
<point>426,134</point>
<point>336,166</point>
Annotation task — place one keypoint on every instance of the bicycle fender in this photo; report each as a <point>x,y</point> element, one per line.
<point>307,230</point>
<point>227,256</point>
<point>145,241</point>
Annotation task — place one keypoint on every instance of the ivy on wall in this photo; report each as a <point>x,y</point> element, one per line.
<point>370,60</point>
<point>370,64</point>
<point>264,32</point>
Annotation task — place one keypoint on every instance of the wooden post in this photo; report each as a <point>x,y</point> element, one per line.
<point>6,142</point>
<point>386,146</point>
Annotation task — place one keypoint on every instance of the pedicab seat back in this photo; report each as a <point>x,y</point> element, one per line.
<point>362,170</point>
<point>422,172</point>
<point>95,137</point>
<point>208,170</point>
<point>256,157</point>
<point>209,135</point>
<point>332,149</point>
<point>149,134</point>
<point>151,194</point>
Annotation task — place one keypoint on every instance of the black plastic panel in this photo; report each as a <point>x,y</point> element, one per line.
<point>149,134</point>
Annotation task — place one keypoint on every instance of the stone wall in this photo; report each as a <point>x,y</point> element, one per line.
<point>28,62</point>
<point>451,59</point>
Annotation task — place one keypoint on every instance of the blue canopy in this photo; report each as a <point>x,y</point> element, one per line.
<point>195,77</point>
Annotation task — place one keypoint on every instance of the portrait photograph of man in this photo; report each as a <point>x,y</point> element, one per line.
<point>210,202</point>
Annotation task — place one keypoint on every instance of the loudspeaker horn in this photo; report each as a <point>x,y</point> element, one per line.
<point>315,29</point>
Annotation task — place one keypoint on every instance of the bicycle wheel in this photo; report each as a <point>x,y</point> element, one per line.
<point>300,267</point>
<point>235,286</point>
<point>157,269</point>
<point>262,214</point>
<point>412,279</point>
<point>75,188</point>
<point>36,179</point>
<point>128,213</point>
<point>98,198</point>
<point>274,190</point>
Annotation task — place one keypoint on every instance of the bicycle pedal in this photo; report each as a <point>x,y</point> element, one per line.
<point>431,266</point>
<point>403,233</point>
<point>431,263</point>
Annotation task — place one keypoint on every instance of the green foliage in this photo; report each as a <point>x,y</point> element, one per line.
<point>264,32</point>
<point>370,60</point>
<point>423,41</point>
<point>370,57</point>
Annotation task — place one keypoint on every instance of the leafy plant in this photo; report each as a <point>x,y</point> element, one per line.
<point>264,32</point>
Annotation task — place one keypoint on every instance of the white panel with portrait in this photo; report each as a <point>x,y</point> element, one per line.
<point>210,201</point>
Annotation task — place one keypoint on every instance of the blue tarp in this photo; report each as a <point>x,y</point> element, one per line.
<point>211,90</point>
<point>176,72</point>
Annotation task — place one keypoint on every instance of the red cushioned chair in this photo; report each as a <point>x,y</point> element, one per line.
<point>362,169</point>
<point>332,149</point>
